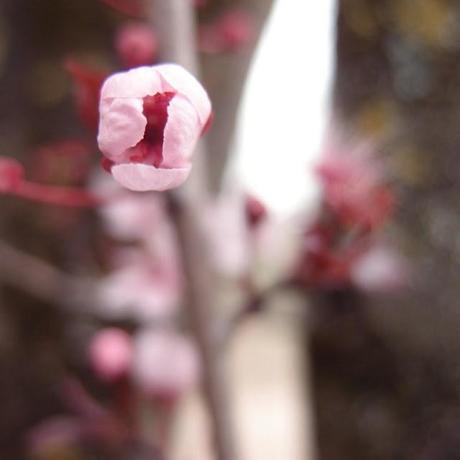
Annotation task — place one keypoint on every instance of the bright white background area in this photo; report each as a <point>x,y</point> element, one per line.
<point>285,109</point>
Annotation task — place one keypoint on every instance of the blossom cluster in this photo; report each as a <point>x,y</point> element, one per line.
<point>341,247</point>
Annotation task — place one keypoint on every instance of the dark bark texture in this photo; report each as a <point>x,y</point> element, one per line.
<point>385,367</point>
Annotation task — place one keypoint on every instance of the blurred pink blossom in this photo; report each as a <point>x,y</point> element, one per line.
<point>354,186</point>
<point>230,32</point>
<point>380,269</point>
<point>256,212</point>
<point>130,216</point>
<point>110,354</point>
<point>327,257</point>
<point>142,288</point>
<point>166,364</point>
<point>11,174</point>
<point>136,44</point>
<point>150,121</point>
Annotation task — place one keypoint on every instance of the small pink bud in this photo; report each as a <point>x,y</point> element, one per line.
<point>11,174</point>
<point>136,44</point>
<point>150,121</point>
<point>110,354</point>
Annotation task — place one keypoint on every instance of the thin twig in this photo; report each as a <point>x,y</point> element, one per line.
<point>256,303</point>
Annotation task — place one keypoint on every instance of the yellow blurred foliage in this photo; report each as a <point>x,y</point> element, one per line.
<point>428,21</point>
<point>410,165</point>
<point>361,19</point>
<point>377,118</point>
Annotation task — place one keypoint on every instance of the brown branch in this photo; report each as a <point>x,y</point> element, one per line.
<point>42,280</point>
<point>174,24</point>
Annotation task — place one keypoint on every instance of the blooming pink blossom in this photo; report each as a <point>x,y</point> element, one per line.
<point>136,44</point>
<point>166,364</point>
<point>150,121</point>
<point>110,354</point>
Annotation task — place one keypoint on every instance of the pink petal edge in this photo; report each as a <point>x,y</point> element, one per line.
<point>181,132</point>
<point>186,84</point>
<point>138,82</point>
<point>140,177</point>
<point>121,126</point>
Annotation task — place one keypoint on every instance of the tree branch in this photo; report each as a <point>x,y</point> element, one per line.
<point>42,280</point>
<point>174,24</point>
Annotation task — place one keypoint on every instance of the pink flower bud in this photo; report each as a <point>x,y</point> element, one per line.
<point>166,364</point>
<point>110,354</point>
<point>150,121</point>
<point>136,44</point>
<point>11,175</point>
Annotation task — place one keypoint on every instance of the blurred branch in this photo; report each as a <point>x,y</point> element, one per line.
<point>256,304</point>
<point>42,280</point>
<point>174,24</point>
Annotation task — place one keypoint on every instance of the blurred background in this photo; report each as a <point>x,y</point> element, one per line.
<point>357,358</point>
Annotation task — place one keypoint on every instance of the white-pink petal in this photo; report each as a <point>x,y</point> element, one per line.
<point>181,132</point>
<point>121,126</point>
<point>178,79</point>
<point>140,177</point>
<point>138,83</point>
